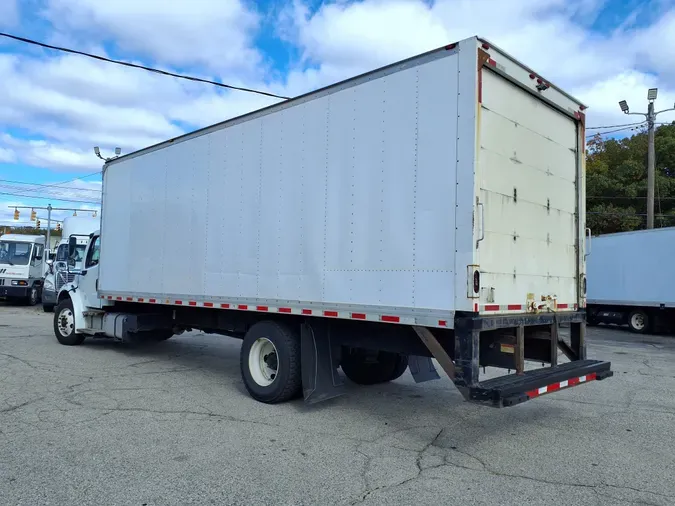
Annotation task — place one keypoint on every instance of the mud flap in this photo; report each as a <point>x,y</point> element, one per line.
<point>422,368</point>
<point>320,359</point>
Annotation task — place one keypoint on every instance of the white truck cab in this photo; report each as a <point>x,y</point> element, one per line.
<point>22,264</point>
<point>57,273</point>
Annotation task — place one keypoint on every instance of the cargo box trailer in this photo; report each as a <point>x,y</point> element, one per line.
<point>433,208</point>
<point>629,280</point>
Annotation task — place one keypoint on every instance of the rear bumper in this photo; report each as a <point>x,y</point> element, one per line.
<point>489,322</point>
<point>14,292</point>
<point>515,389</point>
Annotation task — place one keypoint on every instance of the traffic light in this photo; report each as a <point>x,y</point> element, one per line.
<point>16,213</point>
<point>33,215</point>
<point>37,225</point>
<point>58,227</point>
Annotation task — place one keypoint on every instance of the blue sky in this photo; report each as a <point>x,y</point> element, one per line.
<point>54,108</point>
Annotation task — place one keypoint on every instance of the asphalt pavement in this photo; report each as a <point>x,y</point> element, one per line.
<point>171,424</point>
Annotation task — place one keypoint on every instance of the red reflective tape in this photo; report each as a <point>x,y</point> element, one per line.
<point>492,63</point>
<point>208,304</point>
<point>192,303</point>
<point>359,316</point>
<point>532,393</point>
<point>553,387</point>
<point>242,306</point>
<point>514,307</point>
<point>285,310</point>
<point>563,306</point>
<point>480,86</point>
<point>225,306</point>
<point>591,377</point>
<point>332,314</point>
<point>390,319</point>
<point>262,308</point>
<point>152,301</point>
<point>442,323</point>
<point>475,307</point>
<point>306,311</point>
<point>178,302</point>
<point>492,307</point>
<point>573,381</point>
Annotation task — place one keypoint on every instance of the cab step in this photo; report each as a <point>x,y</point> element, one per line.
<point>513,389</point>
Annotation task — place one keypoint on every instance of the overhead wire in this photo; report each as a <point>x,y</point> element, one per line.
<point>43,185</point>
<point>614,126</point>
<point>137,66</point>
<point>615,131</point>
<point>60,199</point>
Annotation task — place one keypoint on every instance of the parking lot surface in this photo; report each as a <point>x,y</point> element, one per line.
<point>171,424</point>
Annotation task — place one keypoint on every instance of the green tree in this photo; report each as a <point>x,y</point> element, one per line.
<point>616,181</point>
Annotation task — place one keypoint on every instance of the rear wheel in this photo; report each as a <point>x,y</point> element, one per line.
<point>638,321</point>
<point>366,367</point>
<point>270,362</point>
<point>64,324</point>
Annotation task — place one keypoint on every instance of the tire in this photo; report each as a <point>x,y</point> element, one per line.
<point>64,324</point>
<point>370,368</point>
<point>638,321</point>
<point>592,319</point>
<point>270,362</point>
<point>33,296</point>
<point>48,308</point>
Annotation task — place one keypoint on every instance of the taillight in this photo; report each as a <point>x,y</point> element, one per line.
<point>476,281</point>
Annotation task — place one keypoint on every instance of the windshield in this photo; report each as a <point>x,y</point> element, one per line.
<point>15,253</point>
<point>62,254</point>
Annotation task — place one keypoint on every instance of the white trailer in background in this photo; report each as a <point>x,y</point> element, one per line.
<point>630,279</point>
<point>431,208</point>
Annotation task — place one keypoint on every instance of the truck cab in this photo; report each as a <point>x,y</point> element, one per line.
<point>58,274</point>
<point>22,263</point>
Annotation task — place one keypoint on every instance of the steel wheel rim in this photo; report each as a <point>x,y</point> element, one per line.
<point>263,362</point>
<point>65,322</point>
<point>638,321</point>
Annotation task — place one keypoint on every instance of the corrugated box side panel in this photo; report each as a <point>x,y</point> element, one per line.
<point>348,198</point>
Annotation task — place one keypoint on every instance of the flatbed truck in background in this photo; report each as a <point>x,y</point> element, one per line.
<point>630,280</point>
<point>433,208</point>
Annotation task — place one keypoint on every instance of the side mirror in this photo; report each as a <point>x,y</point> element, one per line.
<point>50,262</point>
<point>72,245</point>
<point>38,258</point>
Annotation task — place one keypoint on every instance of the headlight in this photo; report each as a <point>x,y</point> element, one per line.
<point>19,282</point>
<point>48,284</point>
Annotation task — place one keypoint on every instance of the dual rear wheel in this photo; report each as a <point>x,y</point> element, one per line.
<point>271,367</point>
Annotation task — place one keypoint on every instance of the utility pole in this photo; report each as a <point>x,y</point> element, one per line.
<point>650,116</point>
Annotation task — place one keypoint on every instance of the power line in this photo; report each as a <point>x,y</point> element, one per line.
<point>46,186</point>
<point>636,198</point>
<point>134,65</point>
<point>613,131</point>
<point>66,182</point>
<point>11,194</point>
<point>613,126</point>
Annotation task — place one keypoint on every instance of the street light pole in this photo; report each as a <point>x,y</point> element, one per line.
<point>650,164</point>
<point>49,226</point>
<point>650,116</point>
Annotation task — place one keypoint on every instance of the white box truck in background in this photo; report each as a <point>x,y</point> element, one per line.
<point>22,263</point>
<point>58,274</point>
<point>431,208</point>
<point>630,279</point>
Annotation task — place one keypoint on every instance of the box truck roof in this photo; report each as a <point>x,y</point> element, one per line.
<point>572,105</point>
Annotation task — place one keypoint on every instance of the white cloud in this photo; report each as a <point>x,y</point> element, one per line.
<point>41,153</point>
<point>7,155</point>
<point>214,34</point>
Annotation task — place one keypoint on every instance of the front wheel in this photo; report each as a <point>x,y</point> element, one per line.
<point>270,362</point>
<point>64,324</point>
<point>638,321</point>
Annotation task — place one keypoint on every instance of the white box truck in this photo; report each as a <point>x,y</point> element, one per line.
<point>431,208</point>
<point>21,266</point>
<point>630,280</point>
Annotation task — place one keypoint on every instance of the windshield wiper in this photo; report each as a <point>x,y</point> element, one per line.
<point>9,262</point>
